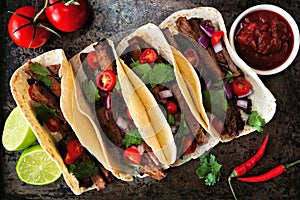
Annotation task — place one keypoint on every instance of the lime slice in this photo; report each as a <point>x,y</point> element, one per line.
<point>35,167</point>
<point>17,134</point>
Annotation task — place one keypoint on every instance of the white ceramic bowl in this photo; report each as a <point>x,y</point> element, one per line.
<point>292,24</point>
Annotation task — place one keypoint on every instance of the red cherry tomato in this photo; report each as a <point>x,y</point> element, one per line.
<point>216,37</point>
<point>189,144</point>
<point>106,80</point>
<point>53,124</point>
<point>132,156</point>
<point>92,60</point>
<point>172,107</point>
<point>128,114</point>
<point>67,18</point>
<point>23,37</point>
<point>241,87</point>
<point>75,150</point>
<point>148,56</point>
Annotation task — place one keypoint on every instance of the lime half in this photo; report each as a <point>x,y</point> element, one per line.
<point>17,134</point>
<point>35,167</point>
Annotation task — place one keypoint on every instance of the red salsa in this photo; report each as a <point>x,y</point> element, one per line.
<point>264,40</point>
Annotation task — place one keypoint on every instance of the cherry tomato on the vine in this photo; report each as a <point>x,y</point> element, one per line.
<point>106,80</point>
<point>24,37</point>
<point>67,18</point>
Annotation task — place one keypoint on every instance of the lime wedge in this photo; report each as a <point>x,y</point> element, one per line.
<point>35,167</point>
<point>17,134</point>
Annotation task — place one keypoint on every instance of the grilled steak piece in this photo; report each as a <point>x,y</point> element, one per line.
<point>105,55</point>
<point>170,38</point>
<point>55,86</point>
<point>98,181</point>
<point>54,69</point>
<point>192,123</point>
<point>150,168</point>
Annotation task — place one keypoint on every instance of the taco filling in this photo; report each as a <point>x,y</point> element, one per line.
<point>45,92</point>
<point>225,89</point>
<point>158,75</point>
<point>102,90</point>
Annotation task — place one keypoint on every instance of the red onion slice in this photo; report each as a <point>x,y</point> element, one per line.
<point>141,149</point>
<point>204,41</point>
<point>165,94</point>
<point>207,28</point>
<point>122,123</point>
<point>218,47</point>
<point>228,90</point>
<point>107,101</point>
<point>242,103</point>
<point>248,94</point>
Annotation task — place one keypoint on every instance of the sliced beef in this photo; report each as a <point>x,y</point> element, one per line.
<point>192,123</point>
<point>54,69</point>
<point>105,55</point>
<point>98,181</point>
<point>170,38</point>
<point>150,168</point>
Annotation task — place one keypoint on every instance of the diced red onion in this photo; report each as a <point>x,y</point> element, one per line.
<point>249,93</point>
<point>122,123</point>
<point>228,90</point>
<point>165,94</point>
<point>207,28</point>
<point>218,47</point>
<point>204,41</point>
<point>141,149</point>
<point>242,103</point>
<point>107,102</point>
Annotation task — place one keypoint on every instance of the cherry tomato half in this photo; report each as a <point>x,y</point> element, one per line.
<point>75,150</point>
<point>24,36</point>
<point>189,144</point>
<point>92,60</point>
<point>67,18</point>
<point>148,56</point>
<point>216,37</point>
<point>172,107</point>
<point>106,80</point>
<point>241,87</point>
<point>132,156</point>
<point>128,114</point>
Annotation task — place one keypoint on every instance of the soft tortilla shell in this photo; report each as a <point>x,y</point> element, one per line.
<point>19,88</point>
<point>262,100</point>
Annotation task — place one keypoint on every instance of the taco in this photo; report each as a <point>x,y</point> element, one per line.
<point>106,97</point>
<point>234,97</point>
<point>43,89</point>
<point>149,64</point>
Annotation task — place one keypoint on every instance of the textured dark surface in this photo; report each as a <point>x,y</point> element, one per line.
<point>116,19</point>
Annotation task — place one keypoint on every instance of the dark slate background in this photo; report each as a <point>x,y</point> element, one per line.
<point>116,19</point>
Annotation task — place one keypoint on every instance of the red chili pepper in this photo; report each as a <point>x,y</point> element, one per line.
<point>106,80</point>
<point>92,60</point>
<point>270,174</point>
<point>148,56</point>
<point>249,164</point>
<point>75,150</point>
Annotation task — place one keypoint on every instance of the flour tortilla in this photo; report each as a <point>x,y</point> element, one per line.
<point>152,35</point>
<point>19,88</point>
<point>262,100</point>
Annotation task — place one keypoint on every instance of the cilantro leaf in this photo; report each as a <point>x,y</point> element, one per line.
<point>209,169</point>
<point>83,169</point>
<point>143,71</point>
<point>134,63</point>
<point>215,101</point>
<point>42,71</point>
<point>132,138</point>
<point>256,121</point>
<point>117,86</point>
<point>91,92</point>
<point>43,112</point>
<point>183,128</point>
<point>161,73</point>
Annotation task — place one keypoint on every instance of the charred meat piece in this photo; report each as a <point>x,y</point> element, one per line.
<point>184,27</point>
<point>98,181</point>
<point>170,38</point>
<point>54,69</point>
<point>55,86</point>
<point>150,168</point>
<point>192,123</point>
<point>105,55</point>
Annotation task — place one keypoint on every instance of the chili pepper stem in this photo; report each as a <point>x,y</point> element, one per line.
<point>286,166</point>
<point>231,188</point>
